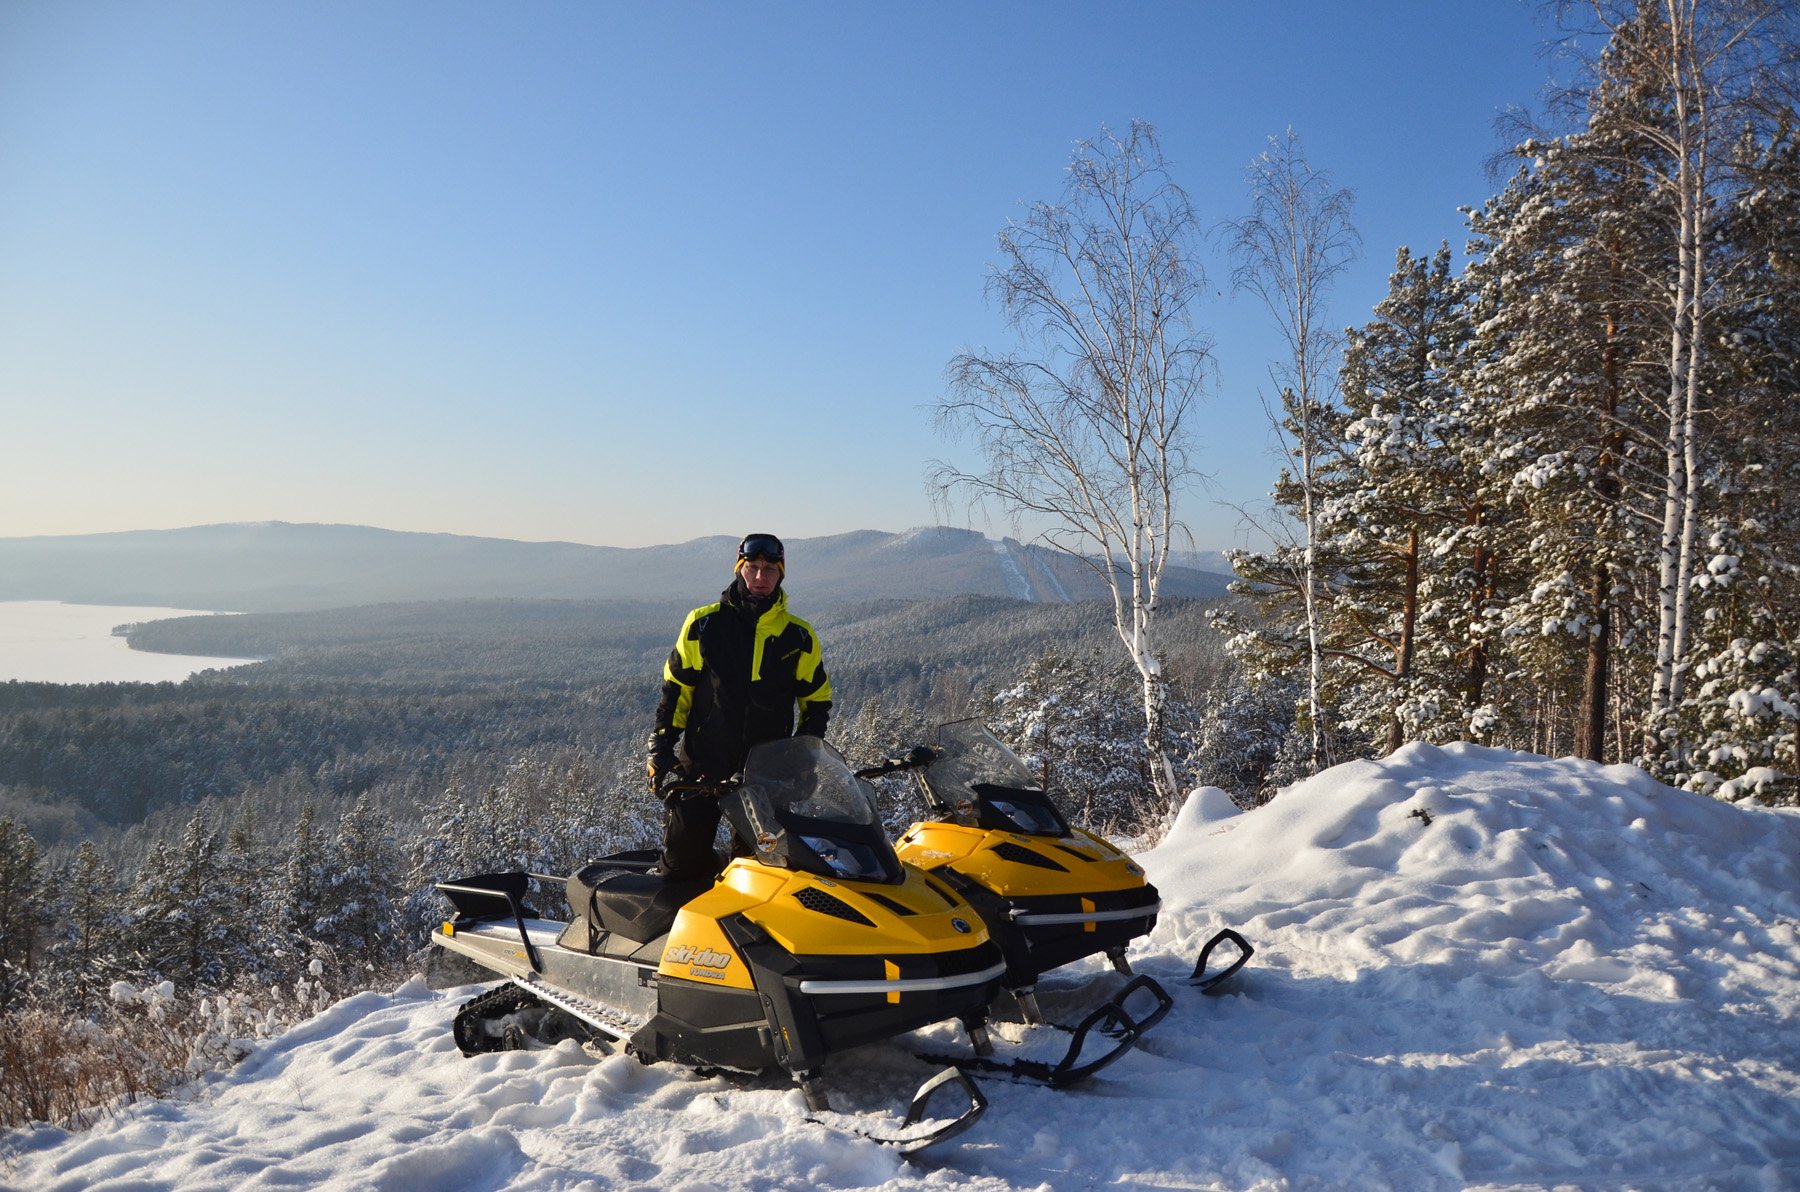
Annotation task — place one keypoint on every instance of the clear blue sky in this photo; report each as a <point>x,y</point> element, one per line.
<point>630,274</point>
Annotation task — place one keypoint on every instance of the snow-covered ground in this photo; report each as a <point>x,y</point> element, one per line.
<point>1475,969</point>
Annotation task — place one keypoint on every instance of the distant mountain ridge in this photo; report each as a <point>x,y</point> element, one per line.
<point>283,566</point>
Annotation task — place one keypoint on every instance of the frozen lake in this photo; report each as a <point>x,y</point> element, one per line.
<point>43,641</point>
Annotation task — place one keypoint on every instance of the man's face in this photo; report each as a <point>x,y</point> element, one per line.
<point>760,577</point>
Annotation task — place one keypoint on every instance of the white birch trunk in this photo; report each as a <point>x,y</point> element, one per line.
<point>1682,490</point>
<point>1674,502</point>
<point>1315,657</point>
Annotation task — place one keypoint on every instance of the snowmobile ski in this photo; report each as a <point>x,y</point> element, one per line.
<point>1112,1021</point>
<point>1214,982</point>
<point>915,1141</point>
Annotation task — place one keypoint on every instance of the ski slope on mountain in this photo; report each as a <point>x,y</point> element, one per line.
<point>1475,969</point>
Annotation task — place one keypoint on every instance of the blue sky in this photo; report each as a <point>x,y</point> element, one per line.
<point>628,274</point>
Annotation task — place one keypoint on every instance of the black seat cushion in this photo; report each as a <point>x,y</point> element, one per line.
<point>626,900</point>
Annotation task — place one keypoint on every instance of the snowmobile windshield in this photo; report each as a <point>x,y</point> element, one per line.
<point>804,776</point>
<point>800,806</point>
<point>981,782</point>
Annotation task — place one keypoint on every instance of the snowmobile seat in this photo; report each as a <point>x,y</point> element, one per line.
<point>627,901</point>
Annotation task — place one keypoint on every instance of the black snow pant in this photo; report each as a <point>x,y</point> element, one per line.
<point>690,823</point>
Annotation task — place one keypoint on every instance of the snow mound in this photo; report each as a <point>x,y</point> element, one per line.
<point>1484,860</point>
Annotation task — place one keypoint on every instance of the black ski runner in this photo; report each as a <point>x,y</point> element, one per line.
<point>1211,984</point>
<point>911,1144</point>
<point>1110,1019</point>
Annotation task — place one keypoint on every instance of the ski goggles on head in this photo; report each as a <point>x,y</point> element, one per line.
<point>765,547</point>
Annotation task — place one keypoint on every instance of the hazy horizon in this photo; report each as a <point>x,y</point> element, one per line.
<point>990,534</point>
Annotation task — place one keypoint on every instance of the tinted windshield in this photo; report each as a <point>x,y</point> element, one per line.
<point>804,776</point>
<point>968,755</point>
<point>800,807</point>
<point>979,782</point>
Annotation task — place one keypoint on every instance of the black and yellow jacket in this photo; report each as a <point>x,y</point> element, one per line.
<point>734,679</point>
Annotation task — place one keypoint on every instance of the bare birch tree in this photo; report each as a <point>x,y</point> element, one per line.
<point>1084,428</point>
<point>1296,239</point>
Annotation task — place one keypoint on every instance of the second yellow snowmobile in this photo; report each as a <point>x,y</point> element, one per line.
<point>1051,893</point>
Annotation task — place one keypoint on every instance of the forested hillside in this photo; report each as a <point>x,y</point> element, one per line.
<point>394,702</point>
<point>280,826</point>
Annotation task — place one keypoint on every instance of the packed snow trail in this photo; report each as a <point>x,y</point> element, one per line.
<point>1474,969</point>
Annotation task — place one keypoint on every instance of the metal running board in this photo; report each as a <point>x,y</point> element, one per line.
<point>605,1019</point>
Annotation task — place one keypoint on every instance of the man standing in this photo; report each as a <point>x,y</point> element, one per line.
<point>738,671</point>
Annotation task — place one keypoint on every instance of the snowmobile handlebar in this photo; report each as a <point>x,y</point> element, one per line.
<point>918,757</point>
<point>686,789</point>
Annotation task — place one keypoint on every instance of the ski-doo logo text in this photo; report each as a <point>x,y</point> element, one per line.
<point>699,958</point>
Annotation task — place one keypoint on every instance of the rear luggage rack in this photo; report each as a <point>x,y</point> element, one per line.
<point>490,896</point>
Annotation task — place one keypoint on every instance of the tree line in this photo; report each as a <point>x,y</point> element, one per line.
<point>1545,501</point>
<point>1549,503</point>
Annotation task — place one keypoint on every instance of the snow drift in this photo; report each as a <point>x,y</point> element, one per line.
<point>1474,969</point>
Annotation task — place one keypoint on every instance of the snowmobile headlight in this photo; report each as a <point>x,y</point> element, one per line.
<point>845,860</point>
<point>1026,818</point>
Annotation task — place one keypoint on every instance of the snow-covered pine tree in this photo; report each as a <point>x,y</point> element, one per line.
<point>181,908</point>
<point>250,886</point>
<point>90,947</point>
<point>1075,720</point>
<point>595,805</point>
<point>1566,382</point>
<point>298,901</point>
<point>1238,734</point>
<point>359,899</point>
<point>23,913</point>
<point>1718,68</point>
<point>1405,513</point>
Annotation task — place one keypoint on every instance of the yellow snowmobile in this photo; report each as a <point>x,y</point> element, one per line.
<point>1049,892</point>
<point>819,940</point>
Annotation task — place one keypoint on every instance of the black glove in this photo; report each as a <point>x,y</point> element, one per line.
<point>661,762</point>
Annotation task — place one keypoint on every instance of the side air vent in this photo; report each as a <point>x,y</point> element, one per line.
<point>1077,853</point>
<point>1021,855</point>
<point>896,907</point>
<point>814,899</point>
<point>949,899</point>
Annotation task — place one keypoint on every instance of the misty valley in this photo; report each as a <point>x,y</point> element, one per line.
<point>394,705</point>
